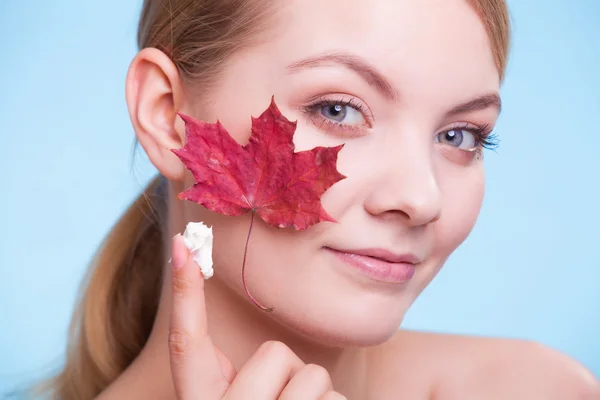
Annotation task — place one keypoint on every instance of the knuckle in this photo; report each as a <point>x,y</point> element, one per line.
<point>331,395</point>
<point>275,349</point>
<point>318,373</point>
<point>181,285</point>
<point>179,342</point>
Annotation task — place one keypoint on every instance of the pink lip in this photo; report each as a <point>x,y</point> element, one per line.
<point>379,264</point>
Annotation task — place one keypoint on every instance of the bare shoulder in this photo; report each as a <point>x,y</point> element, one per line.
<point>516,369</point>
<point>448,367</point>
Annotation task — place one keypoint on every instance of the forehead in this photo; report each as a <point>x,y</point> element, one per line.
<point>423,46</point>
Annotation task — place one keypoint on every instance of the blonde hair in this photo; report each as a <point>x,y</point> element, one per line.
<point>119,297</point>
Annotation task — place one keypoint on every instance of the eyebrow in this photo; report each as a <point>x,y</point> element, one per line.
<point>377,80</point>
<point>357,64</point>
<point>478,104</point>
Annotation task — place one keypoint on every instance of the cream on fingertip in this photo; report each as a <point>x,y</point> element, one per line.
<point>199,240</point>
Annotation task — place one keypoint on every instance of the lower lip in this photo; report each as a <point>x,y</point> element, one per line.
<point>376,268</point>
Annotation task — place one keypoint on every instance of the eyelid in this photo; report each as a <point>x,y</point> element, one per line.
<point>347,131</point>
<point>483,135</point>
<point>468,126</point>
<point>342,98</point>
<point>462,156</point>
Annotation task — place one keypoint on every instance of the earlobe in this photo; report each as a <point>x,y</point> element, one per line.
<point>154,92</point>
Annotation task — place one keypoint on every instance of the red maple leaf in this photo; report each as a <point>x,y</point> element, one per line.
<point>264,176</point>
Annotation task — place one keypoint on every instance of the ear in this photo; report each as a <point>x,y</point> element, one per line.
<point>155,93</point>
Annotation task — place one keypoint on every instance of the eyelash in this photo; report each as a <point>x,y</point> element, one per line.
<point>483,135</point>
<point>312,111</point>
<point>485,139</point>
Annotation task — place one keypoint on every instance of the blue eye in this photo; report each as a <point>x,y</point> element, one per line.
<point>460,138</point>
<point>342,113</point>
<point>336,112</point>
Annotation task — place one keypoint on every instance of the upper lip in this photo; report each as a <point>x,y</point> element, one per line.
<point>383,254</point>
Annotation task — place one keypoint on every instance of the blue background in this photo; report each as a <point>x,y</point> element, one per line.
<point>531,268</point>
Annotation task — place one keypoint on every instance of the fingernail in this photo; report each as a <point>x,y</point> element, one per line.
<point>177,260</point>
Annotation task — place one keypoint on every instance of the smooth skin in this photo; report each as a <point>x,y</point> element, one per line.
<point>447,368</point>
<point>201,370</point>
<point>411,71</point>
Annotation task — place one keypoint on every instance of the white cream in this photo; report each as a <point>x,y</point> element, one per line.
<point>199,240</point>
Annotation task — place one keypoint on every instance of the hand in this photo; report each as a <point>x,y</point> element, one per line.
<point>202,372</point>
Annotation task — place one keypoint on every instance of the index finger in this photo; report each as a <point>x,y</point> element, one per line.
<point>199,369</point>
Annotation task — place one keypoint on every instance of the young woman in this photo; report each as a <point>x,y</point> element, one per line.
<point>411,88</point>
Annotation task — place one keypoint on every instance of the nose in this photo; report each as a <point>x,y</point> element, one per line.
<point>406,188</point>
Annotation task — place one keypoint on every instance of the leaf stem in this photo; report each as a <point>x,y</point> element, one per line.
<point>256,303</point>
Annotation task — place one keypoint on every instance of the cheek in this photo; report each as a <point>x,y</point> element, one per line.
<point>274,259</point>
<point>358,161</point>
<point>462,196</point>
<point>462,199</point>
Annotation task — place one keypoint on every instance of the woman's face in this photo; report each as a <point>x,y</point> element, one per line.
<point>409,86</point>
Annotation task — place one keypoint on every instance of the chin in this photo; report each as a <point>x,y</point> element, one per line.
<point>349,327</point>
<point>363,334</point>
